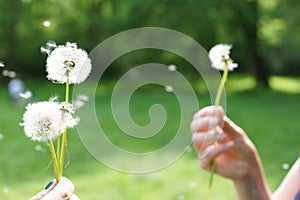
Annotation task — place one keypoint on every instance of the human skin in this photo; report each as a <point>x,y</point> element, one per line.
<point>236,156</point>
<point>63,190</point>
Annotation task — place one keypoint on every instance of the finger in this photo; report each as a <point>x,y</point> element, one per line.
<point>210,111</point>
<point>202,140</point>
<point>203,124</point>
<point>206,158</point>
<point>47,189</point>
<point>232,129</point>
<point>62,191</point>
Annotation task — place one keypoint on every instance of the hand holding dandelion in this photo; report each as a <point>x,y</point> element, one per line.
<point>49,120</point>
<point>220,59</point>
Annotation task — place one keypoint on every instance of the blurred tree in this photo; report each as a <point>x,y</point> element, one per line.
<point>264,33</point>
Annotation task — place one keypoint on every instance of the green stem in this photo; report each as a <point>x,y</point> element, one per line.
<point>217,103</point>
<point>58,147</point>
<point>64,136</point>
<point>221,87</point>
<point>54,160</point>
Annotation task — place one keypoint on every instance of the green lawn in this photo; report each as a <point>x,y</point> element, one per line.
<point>271,119</point>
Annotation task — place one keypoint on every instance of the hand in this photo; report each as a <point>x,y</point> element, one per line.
<point>216,137</point>
<point>63,190</point>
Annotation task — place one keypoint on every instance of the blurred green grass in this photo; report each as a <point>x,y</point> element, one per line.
<point>270,118</point>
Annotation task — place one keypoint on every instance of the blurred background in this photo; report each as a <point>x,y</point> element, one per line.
<point>263,94</point>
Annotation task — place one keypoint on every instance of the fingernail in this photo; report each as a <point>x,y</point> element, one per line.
<point>49,184</point>
<point>214,121</point>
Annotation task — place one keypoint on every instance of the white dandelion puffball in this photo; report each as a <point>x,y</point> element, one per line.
<point>68,62</point>
<point>219,57</point>
<point>44,121</point>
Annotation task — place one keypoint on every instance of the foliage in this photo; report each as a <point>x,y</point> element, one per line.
<point>209,22</point>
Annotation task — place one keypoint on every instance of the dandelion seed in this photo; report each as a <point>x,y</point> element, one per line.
<point>46,23</point>
<point>12,74</point>
<point>2,64</point>
<point>5,73</point>
<point>26,95</point>
<point>6,190</point>
<point>219,56</point>
<point>193,184</point>
<point>44,121</point>
<point>67,62</point>
<point>1,136</point>
<point>169,88</point>
<point>50,45</point>
<point>39,148</point>
<point>79,101</point>
<point>285,166</point>
<point>172,68</point>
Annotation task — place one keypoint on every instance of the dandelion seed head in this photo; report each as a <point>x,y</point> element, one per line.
<point>46,120</point>
<point>68,62</point>
<point>219,57</point>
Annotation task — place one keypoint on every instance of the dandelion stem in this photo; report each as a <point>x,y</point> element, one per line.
<point>64,136</point>
<point>54,160</point>
<point>58,147</point>
<point>221,86</point>
<point>217,103</point>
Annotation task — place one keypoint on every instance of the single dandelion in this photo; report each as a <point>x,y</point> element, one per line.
<point>220,59</point>
<point>45,121</point>
<point>67,63</point>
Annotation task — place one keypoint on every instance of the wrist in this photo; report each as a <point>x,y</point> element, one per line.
<point>253,184</point>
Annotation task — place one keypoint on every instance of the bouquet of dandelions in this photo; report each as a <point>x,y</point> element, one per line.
<point>220,59</point>
<point>47,121</point>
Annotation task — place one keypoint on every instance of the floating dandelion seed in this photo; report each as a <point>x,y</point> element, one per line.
<point>50,45</point>
<point>1,136</point>
<point>285,166</point>
<point>172,68</point>
<point>26,95</point>
<point>46,23</point>
<point>39,148</point>
<point>5,73</point>
<point>169,88</point>
<point>193,184</point>
<point>80,101</point>
<point>12,74</point>
<point>181,197</point>
<point>6,190</point>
